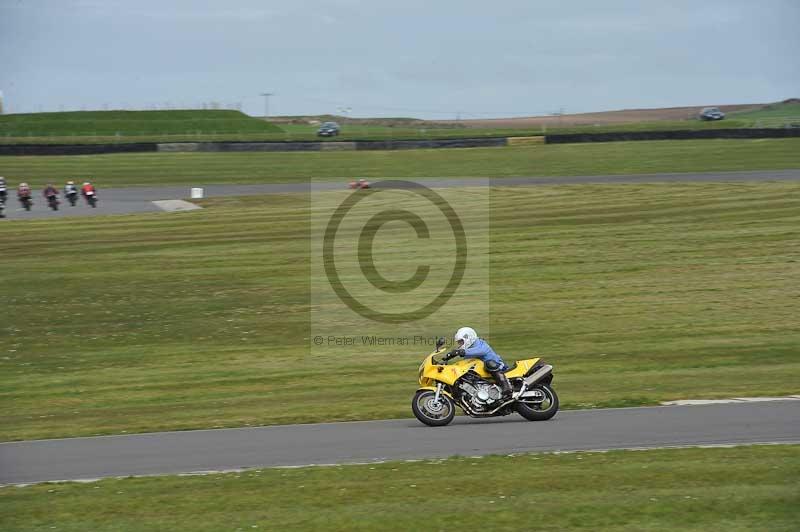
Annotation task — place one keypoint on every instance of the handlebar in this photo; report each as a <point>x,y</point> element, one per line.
<point>452,354</point>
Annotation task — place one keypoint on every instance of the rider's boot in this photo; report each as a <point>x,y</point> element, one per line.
<point>505,386</point>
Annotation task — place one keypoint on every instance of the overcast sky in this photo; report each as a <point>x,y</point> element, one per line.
<point>420,58</point>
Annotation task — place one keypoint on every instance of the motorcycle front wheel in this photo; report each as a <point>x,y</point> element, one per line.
<point>432,412</point>
<point>540,411</point>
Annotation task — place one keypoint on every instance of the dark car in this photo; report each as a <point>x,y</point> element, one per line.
<point>711,113</point>
<point>328,129</point>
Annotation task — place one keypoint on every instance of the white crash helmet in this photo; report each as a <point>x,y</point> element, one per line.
<point>467,335</point>
<point>70,182</point>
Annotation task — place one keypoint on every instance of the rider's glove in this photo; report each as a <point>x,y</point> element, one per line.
<point>453,354</point>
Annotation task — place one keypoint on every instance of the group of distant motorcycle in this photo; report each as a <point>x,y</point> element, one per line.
<point>51,195</point>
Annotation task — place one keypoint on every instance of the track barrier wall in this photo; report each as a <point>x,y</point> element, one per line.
<point>367,145</point>
<point>525,141</point>
<point>755,133</point>
<point>76,149</point>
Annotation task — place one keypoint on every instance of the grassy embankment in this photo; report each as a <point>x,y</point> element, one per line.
<point>773,115</point>
<point>737,489</point>
<point>127,126</point>
<point>545,160</point>
<point>221,125</point>
<point>637,294</point>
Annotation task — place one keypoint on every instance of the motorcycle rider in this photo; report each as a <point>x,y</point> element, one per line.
<point>23,192</point>
<point>50,192</point>
<point>470,346</point>
<point>3,197</point>
<point>89,193</point>
<point>70,190</point>
<point>87,187</point>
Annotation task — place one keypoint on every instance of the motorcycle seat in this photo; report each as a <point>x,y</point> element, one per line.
<point>521,367</point>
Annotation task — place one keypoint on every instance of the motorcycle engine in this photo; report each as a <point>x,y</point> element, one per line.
<point>480,393</point>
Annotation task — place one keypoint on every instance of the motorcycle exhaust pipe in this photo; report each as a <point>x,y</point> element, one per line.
<point>539,375</point>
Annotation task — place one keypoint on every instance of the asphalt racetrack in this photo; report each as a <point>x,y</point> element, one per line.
<point>356,442</point>
<point>140,199</point>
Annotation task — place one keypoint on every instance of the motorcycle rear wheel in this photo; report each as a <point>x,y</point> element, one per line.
<point>430,412</point>
<point>543,411</point>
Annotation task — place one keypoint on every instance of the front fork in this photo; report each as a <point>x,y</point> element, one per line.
<point>438,391</point>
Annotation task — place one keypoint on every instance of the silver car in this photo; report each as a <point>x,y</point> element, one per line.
<point>711,113</point>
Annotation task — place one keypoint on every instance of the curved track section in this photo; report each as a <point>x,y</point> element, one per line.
<point>140,199</point>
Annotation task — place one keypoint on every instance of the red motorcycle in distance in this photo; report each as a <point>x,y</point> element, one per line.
<point>360,184</point>
<point>90,194</point>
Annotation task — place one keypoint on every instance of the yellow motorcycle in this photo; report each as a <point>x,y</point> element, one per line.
<point>466,383</point>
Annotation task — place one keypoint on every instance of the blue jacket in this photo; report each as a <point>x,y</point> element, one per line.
<point>483,351</point>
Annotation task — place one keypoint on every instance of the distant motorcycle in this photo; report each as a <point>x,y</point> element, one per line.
<point>52,202</point>
<point>91,198</point>
<point>2,208</point>
<point>26,202</point>
<point>360,184</point>
<point>72,197</point>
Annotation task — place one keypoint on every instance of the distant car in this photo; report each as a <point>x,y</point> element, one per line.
<point>328,129</point>
<point>711,113</point>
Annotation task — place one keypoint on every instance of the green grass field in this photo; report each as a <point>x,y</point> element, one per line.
<point>544,160</point>
<point>361,132</point>
<point>123,124</point>
<point>636,293</point>
<point>736,489</point>
<point>789,111</point>
<point>221,125</point>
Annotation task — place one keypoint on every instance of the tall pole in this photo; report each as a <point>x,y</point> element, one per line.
<point>266,96</point>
